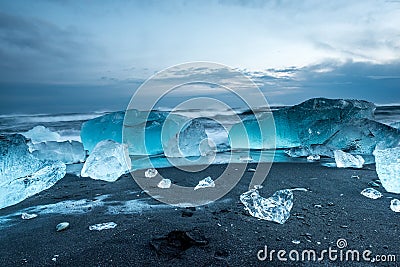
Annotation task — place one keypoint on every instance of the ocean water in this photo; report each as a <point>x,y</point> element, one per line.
<point>69,125</point>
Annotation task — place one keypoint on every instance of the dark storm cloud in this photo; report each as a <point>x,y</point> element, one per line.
<point>379,83</point>
<point>30,48</point>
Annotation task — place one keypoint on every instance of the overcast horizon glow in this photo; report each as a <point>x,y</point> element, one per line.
<point>69,56</point>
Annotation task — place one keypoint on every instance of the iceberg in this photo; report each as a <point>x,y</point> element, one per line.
<point>108,161</point>
<point>275,208</point>
<point>311,122</point>
<point>206,182</point>
<point>388,168</point>
<point>148,133</point>
<point>21,174</point>
<point>68,152</point>
<point>40,134</point>
<point>371,193</point>
<point>346,160</point>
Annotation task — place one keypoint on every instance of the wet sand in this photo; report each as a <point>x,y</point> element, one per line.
<point>332,209</point>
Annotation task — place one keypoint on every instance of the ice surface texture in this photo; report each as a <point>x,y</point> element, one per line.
<point>68,152</point>
<point>275,208</point>
<point>148,133</point>
<point>388,168</point>
<point>108,161</point>
<point>21,174</point>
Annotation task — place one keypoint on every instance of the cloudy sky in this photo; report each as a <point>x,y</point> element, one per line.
<point>74,56</point>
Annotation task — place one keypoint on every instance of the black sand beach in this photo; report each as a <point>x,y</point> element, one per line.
<point>333,208</point>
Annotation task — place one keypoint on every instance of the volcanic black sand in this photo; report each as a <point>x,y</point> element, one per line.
<point>218,234</point>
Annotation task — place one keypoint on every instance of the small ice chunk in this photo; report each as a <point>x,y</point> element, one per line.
<point>150,173</point>
<point>108,161</point>
<point>313,158</point>
<point>296,242</point>
<point>275,208</point>
<point>258,186</point>
<point>62,226</point>
<point>395,205</point>
<point>27,216</point>
<point>371,193</point>
<point>245,158</point>
<point>41,134</point>
<point>206,182</point>
<point>388,168</point>
<point>346,160</point>
<point>102,226</point>
<point>164,183</point>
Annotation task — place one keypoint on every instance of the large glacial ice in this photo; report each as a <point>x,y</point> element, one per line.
<point>40,134</point>
<point>68,152</point>
<point>108,161</point>
<point>106,127</point>
<point>21,174</point>
<point>346,125</point>
<point>311,122</point>
<point>148,133</point>
<point>388,167</point>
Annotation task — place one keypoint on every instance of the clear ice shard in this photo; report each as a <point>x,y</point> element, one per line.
<point>108,161</point>
<point>311,122</point>
<point>102,226</point>
<point>148,133</point>
<point>388,168</point>
<point>62,226</point>
<point>395,205</point>
<point>68,152</point>
<point>21,174</point>
<point>347,160</point>
<point>40,134</point>
<point>371,193</point>
<point>164,183</point>
<point>27,216</point>
<point>206,182</point>
<point>275,208</point>
<point>150,173</point>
